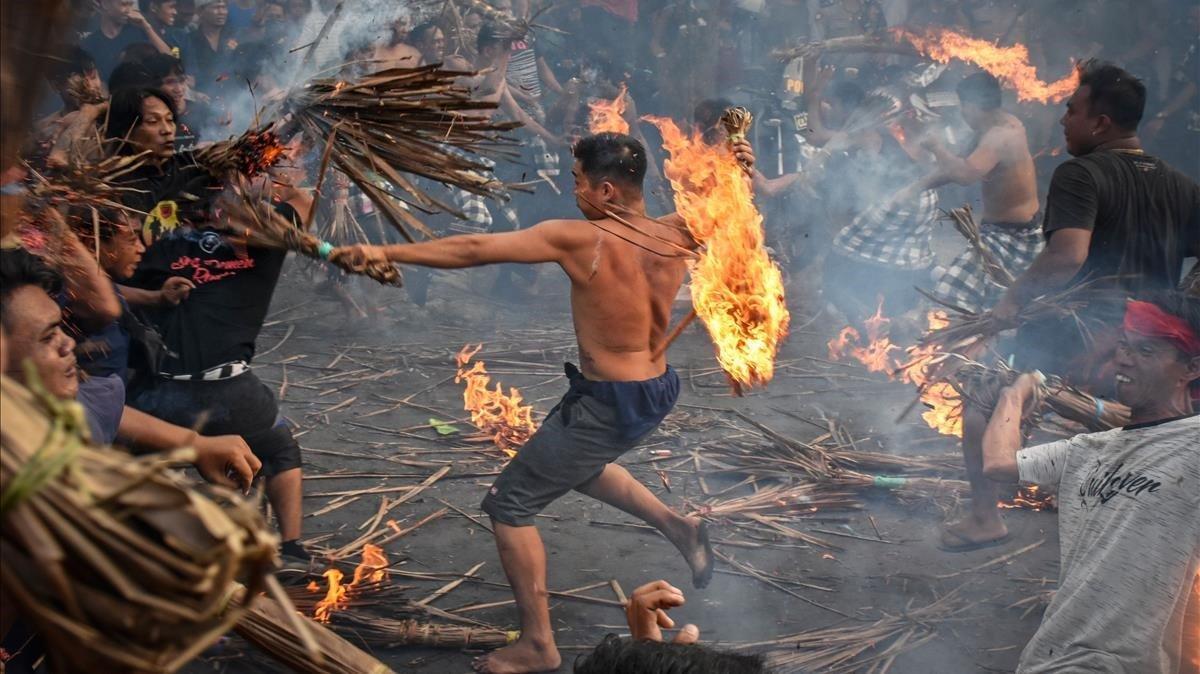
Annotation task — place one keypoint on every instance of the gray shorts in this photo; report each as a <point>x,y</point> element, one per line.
<point>581,436</point>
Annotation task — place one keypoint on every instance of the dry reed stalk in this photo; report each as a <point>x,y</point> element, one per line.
<point>981,386</point>
<point>118,563</point>
<point>388,633</point>
<point>964,221</point>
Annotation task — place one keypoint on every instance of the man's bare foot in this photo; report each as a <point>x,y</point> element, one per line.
<point>523,656</point>
<point>692,542</point>
<point>973,533</point>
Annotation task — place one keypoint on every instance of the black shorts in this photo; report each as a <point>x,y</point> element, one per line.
<point>593,425</point>
<point>240,405</point>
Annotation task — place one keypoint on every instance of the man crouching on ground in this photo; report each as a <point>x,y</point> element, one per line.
<point>1129,503</point>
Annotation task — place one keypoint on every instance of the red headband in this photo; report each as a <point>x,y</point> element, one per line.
<point>1149,320</point>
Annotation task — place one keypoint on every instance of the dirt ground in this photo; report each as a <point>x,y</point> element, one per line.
<point>345,383</point>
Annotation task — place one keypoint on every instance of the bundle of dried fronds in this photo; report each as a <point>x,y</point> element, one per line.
<point>117,562</point>
<point>868,648</point>
<point>736,122</point>
<point>302,645</point>
<point>964,221</point>
<point>969,329</point>
<point>388,632</point>
<point>981,386</point>
<point>403,121</point>
<point>248,155</point>
<point>81,92</point>
<point>885,43</point>
<point>82,183</point>
<point>250,216</point>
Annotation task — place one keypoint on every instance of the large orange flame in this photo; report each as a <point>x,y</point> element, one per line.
<point>736,289</point>
<point>501,416</point>
<point>943,403</point>
<point>605,116</point>
<point>1009,64</point>
<point>372,569</point>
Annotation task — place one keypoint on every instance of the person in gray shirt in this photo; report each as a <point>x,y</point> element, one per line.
<point>1129,502</point>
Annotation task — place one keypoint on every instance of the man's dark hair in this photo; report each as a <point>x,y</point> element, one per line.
<point>1177,304</point>
<point>162,66</point>
<point>848,94</point>
<point>615,157</point>
<point>20,268</point>
<point>130,74</point>
<point>138,52</point>
<point>981,89</point>
<point>1114,92</point>
<point>620,656</point>
<point>73,61</point>
<point>708,111</point>
<point>147,5</point>
<point>125,111</point>
<point>418,32</point>
<point>490,34</point>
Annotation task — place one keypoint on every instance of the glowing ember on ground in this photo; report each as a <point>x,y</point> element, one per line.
<point>736,289</point>
<point>1009,64</point>
<point>1030,498</point>
<point>501,416</point>
<point>372,569</point>
<point>606,116</point>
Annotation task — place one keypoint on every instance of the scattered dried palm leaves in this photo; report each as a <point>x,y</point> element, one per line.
<point>118,563</point>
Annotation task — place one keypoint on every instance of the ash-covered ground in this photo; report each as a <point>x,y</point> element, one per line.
<point>362,393</point>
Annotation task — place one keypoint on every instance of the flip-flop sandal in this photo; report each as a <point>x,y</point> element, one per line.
<point>701,578</point>
<point>968,545</point>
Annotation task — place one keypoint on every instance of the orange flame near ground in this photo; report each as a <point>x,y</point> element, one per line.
<point>944,405</point>
<point>606,116</point>
<point>372,569</point>
<point>1009,64</point>
<point>1030,498</point>
<point>501,416</point>
<point>736,289</point>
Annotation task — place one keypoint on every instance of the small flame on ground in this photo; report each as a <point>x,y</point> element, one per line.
<point>608,116</point>
<point>504,417</point>
<point>737,290</point>
<point>1009,64</point>
<point>1030,498</point>
<point>372,569</point>
<point>876,354</point>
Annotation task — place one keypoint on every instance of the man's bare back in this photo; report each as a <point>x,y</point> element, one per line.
<point>1010,188</point>
<point>621,297</point>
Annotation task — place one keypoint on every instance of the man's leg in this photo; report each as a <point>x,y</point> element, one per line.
<point>524,559</point>
<point>983,525</point>
<point>616,487</point>
<point>286,494</point>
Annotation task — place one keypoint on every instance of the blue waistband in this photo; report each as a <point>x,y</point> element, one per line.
<point>639,405</point>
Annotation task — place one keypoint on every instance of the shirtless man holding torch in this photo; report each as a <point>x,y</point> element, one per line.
<point>623,284</point>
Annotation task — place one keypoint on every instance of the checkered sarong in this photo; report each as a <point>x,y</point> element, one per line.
<point>477,212</point>
<point>900,238</point>
<point>966,284</point>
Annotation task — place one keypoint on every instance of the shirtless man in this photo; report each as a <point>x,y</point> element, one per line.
<point>1000,162</point>
<point>621,298</point>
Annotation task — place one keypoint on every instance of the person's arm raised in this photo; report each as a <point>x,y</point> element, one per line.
<point>548,241</point>
<point>1002,439</point>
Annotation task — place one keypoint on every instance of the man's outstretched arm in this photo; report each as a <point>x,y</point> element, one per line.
<point>545,242</point>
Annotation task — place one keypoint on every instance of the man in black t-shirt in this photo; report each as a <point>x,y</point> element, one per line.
<point>119,24</point>
<point>1115,216</point>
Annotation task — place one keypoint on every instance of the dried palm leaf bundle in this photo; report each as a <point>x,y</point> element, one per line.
<point>867,648</point>
<point>250,216</point>
<point>964,221</point>
<point>981,386</point>
<point>388,632</point>
<point>248,155</point>
<point>117,562</point>
<point>399,121</point>
<point>82,183</point>
<point>876,43</point>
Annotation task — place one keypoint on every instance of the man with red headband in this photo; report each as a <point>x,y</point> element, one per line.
<point>1129,502</point>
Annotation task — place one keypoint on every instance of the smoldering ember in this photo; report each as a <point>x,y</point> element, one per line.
<point>616,336</point>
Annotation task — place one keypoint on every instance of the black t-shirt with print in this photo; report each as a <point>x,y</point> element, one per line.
<point>1144,216</point>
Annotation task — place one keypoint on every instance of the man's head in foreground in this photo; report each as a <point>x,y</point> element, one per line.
<point>1158,357</point>
<point>33,324</point>
<point>1107,106</point>
<point>609,169</point>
